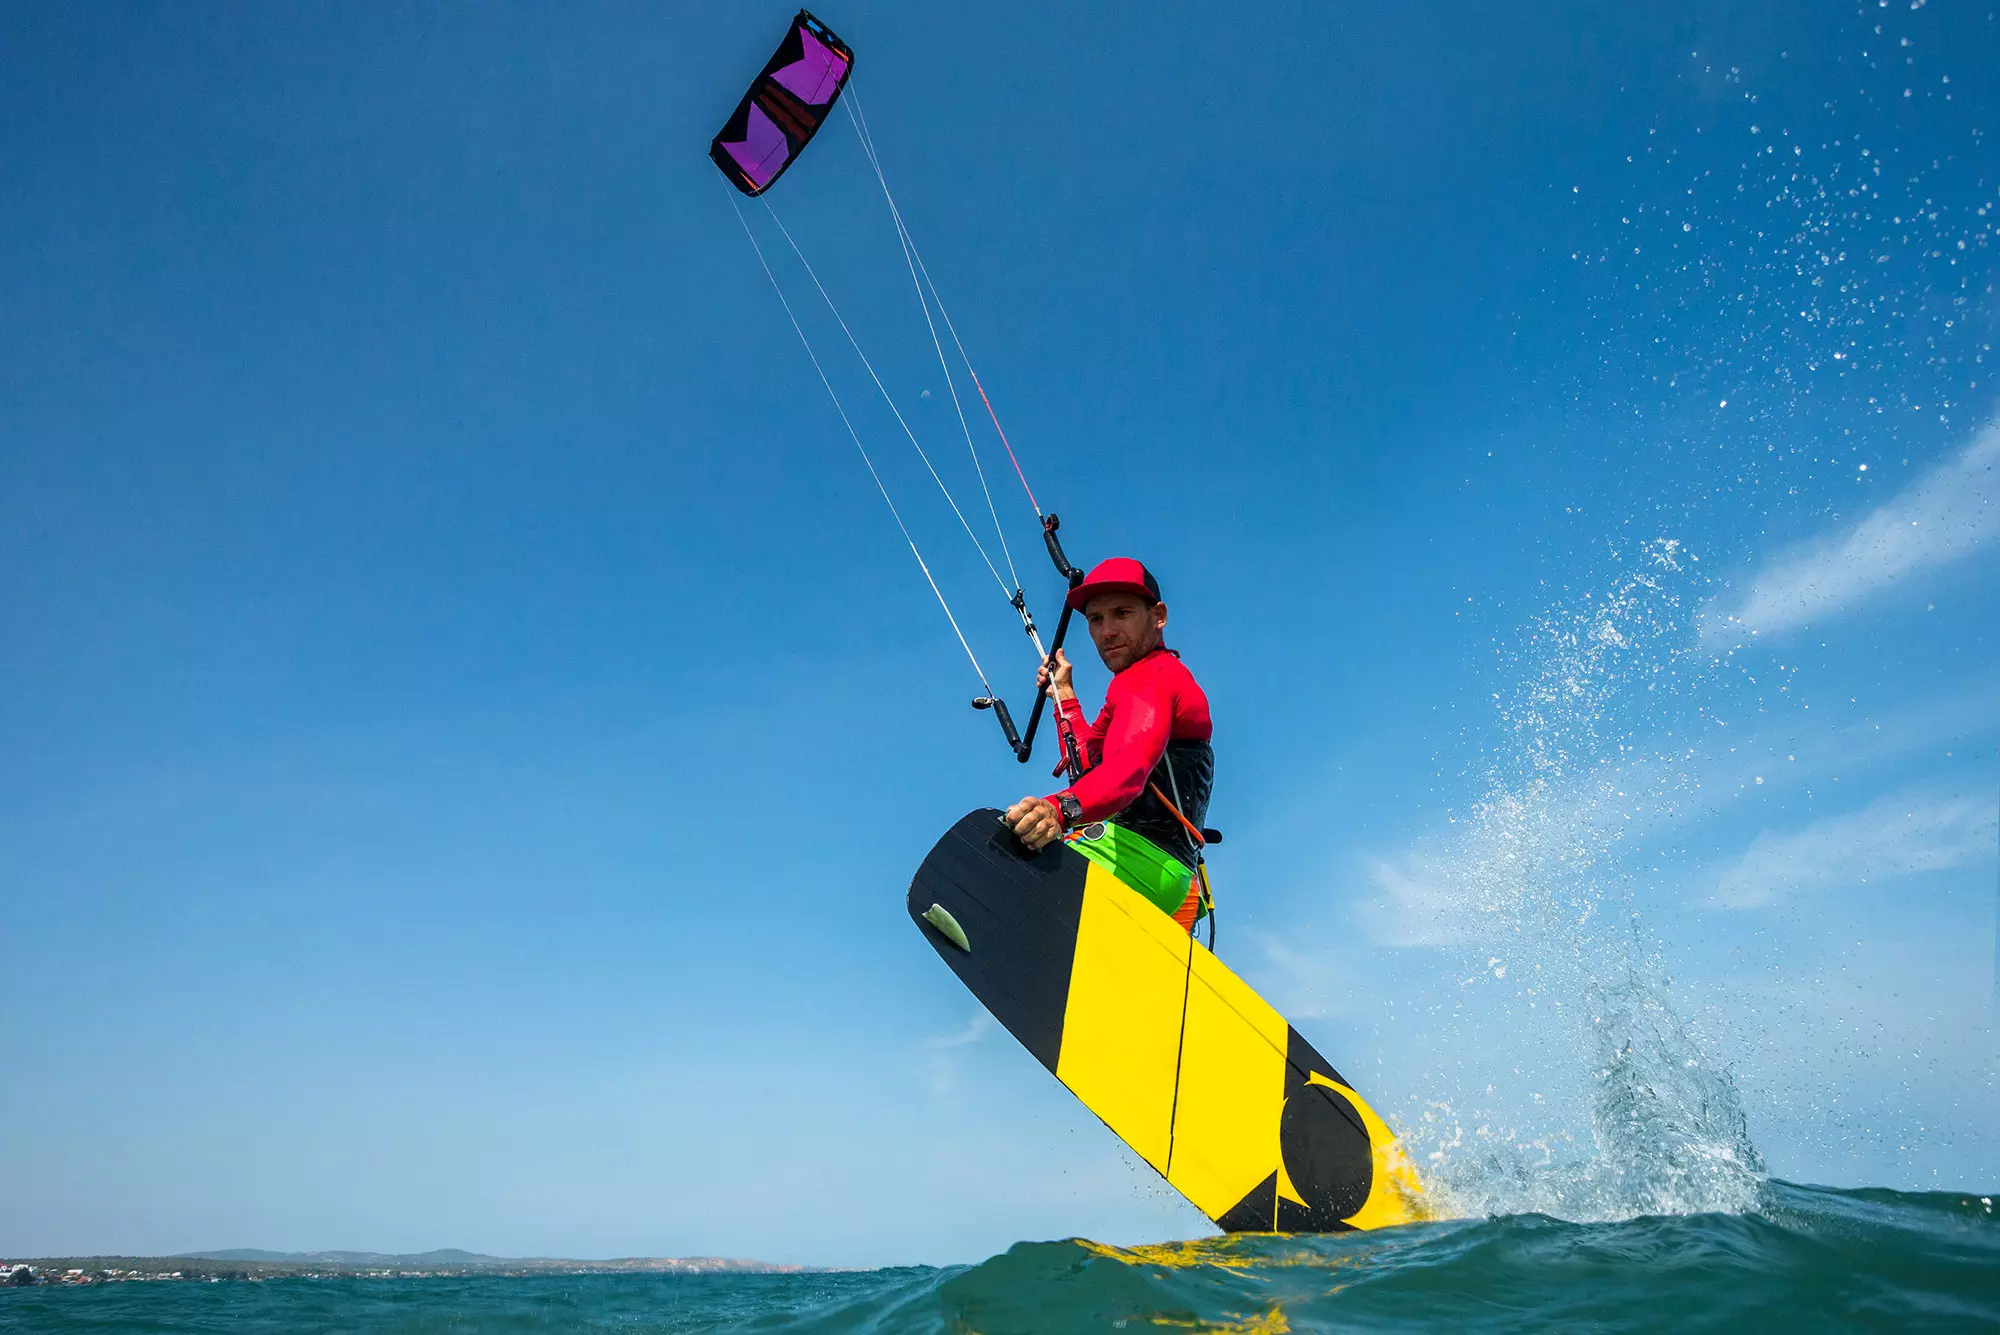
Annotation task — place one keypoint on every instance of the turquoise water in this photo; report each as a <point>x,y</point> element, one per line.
<point>1807,1258</point>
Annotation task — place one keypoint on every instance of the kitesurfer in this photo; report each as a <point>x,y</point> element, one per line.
<point>1148,765</point>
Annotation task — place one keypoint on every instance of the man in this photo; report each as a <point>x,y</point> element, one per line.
<point>1148,765</point>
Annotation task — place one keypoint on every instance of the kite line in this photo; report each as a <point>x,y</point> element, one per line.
<point>855,436</point>
<point>783,110</point>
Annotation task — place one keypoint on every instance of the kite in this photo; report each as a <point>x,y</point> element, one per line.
<point>785,106</point>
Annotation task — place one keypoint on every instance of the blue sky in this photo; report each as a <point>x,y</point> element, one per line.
<point>468,721</point>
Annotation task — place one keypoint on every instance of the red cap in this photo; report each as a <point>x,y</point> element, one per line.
<point>1121,574</point>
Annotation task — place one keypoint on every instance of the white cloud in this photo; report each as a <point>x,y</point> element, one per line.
<point>1302,969</point>
<point>1440,890</point>
<point>1899,835</point>
<point>1415,904</point>
<point>1949,512</point>
<point>941,1052</point>
<point>974,1029</point>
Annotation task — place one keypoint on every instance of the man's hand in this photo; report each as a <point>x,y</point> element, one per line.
<point>1036,822</point>
<point>1055,676</point>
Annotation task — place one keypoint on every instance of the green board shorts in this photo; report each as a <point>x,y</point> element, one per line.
<point>1137,861</point>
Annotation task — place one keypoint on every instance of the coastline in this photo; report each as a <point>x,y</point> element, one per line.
<point>248,1265</point>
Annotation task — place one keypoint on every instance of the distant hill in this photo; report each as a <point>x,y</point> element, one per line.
<point>446,1256</point>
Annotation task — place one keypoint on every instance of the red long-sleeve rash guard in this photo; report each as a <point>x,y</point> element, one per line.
<point>1149,704</point>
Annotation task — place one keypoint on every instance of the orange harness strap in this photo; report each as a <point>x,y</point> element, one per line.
<point>1200,897</point>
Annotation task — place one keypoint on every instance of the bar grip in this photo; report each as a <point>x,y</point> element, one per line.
<point>1007,724</point>
<point>999,708</point>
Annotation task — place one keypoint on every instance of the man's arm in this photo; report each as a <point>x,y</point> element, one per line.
<point>1139,729</point>
<point>1131,745</point>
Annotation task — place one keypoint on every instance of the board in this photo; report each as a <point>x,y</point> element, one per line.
<point>1176,1054</point>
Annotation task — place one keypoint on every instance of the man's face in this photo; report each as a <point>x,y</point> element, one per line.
<point>1125,627</point>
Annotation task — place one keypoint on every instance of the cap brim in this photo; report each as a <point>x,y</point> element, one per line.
<point>1083,593</point>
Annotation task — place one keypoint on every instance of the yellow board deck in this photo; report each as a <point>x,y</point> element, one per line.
<point>1177,1055</point>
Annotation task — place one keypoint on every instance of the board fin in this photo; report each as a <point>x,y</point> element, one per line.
<point>940,917</point>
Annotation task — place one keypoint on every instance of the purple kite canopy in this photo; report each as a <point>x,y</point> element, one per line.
<point>782,111</point>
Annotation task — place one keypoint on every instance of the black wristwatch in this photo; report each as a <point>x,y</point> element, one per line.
<point>1070,810</point>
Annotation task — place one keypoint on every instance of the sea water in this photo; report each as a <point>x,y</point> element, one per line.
<point>1802,1258</point>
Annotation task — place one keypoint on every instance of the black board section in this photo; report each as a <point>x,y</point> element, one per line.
<point>1020,912</point>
